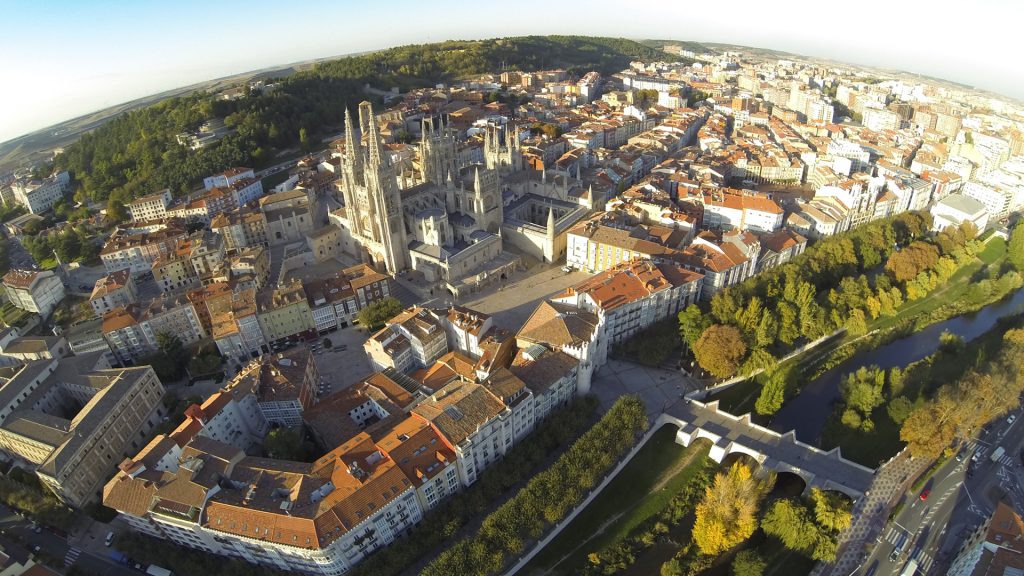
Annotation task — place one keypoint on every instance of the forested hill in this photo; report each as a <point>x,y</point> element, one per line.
<point>137,153</point>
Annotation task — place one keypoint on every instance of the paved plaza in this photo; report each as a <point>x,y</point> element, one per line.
<point>657,387</point>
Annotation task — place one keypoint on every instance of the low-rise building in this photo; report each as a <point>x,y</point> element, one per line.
<point>956,209</point>
<point>38,291</point>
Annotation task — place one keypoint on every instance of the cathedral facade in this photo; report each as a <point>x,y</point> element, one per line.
<point>446,223</point>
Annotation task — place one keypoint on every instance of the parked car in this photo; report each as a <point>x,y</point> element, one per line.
<point>1011,418</point>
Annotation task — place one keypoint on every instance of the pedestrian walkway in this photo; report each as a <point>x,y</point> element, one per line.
<point>870,513</point>
<point>71,556</point>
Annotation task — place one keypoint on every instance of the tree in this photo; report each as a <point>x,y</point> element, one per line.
<point>692,323</point>
<point>773,394</point>
<point>899,409</point>
<point>862,390</point>
<point>375,315</point>
<point>116,212</point>
<point>728,513</point>
<point>831,510</point>
<point>791,522</point>
<point>720,349</point>
<point>748,563</point>
<point>283,444</point>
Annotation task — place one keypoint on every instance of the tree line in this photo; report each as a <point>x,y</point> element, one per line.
<point>958,410</point>
<point>548,497</point>
<point>137,153</point>
<point>834,284</point>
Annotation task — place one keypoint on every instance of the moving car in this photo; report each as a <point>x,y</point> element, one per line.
<point>925,493</point>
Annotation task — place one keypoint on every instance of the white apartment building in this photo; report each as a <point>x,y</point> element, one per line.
<point>955,209</point>
<point>228,178</point>
<point>38,291</point>
<point>38,196</point>
<point>633,296</point>
<point>151,207</point>
<point>996,200</point>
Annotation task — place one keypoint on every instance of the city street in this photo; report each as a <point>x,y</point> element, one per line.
<point>931,531</point>
<point>56,549</point>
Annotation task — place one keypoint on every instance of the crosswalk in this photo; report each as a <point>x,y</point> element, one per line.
<point>896,535</point>
<point>71,556</point>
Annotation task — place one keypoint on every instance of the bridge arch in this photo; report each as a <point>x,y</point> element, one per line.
<point>781,453</point>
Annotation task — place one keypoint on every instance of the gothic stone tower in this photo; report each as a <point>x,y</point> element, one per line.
<point>507,157</point>
<point>438,153</point>
<point>372,194</point>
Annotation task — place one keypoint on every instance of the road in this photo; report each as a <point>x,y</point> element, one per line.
<point>56,549</point>
<point>962,494</point>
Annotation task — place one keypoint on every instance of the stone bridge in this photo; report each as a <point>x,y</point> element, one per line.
<point>729,434</point>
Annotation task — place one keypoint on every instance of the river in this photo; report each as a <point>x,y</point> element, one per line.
<point>808,412</point>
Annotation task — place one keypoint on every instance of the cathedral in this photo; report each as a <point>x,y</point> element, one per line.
<point>446,224</point>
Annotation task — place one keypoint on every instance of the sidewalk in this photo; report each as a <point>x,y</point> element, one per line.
<point>870,514</point>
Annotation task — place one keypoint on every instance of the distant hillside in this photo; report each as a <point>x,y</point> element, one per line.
<point>137,153</point>
<point>695,47</point>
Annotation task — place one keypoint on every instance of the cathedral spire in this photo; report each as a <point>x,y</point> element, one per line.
<point>367,118</point>
<point>476,181</point>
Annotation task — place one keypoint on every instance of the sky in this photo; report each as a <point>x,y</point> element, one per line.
<point>65,58</point>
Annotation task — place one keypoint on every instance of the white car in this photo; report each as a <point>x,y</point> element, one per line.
<point>1011,418</point>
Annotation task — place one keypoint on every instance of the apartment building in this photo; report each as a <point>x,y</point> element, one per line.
<point>250,265</point>
<point>466,330</point>
<point>38,196</point>
<point>38,291</point>
<point>242,228</point>
<point>389,349</point>
<point>72,420</point>
<point>995,546</point>
<point>567,328</point>
<point>421,328</point>
<point>229,177</point>
<point>779,247</point>
<point>132,332</point>
<point>603,243</point>
<point>331,301</point>
<point>236,329</point>
<point>138,251</point>
<point>151,207</point>
<point>735,209</point>
<point>113,290</point>
<point>284,385</point>
<point>724,259</point>
<point>475,423</point>
<point>284,314</point>
<point>368,284</point>
<point>634,295</point>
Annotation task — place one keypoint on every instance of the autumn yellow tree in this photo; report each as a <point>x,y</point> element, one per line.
<point>720,349</point>
<point>728,513</point>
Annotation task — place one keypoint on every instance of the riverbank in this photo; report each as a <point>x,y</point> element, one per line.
<point>921,379</point>
<point>964,294</point>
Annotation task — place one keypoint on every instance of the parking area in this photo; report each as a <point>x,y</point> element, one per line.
<point>657,387</point>
<point>343,363</point>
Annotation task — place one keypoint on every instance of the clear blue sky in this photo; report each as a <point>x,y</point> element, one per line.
<point>63,58</point>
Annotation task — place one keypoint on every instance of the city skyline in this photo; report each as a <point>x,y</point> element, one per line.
<point>118,57</point>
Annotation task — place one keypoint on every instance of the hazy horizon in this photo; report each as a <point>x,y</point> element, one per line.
<point>102,54</point>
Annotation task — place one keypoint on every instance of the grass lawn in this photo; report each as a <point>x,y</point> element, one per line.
<point>994,251</point>
<point>643,488</point>
<point>273,180</point>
